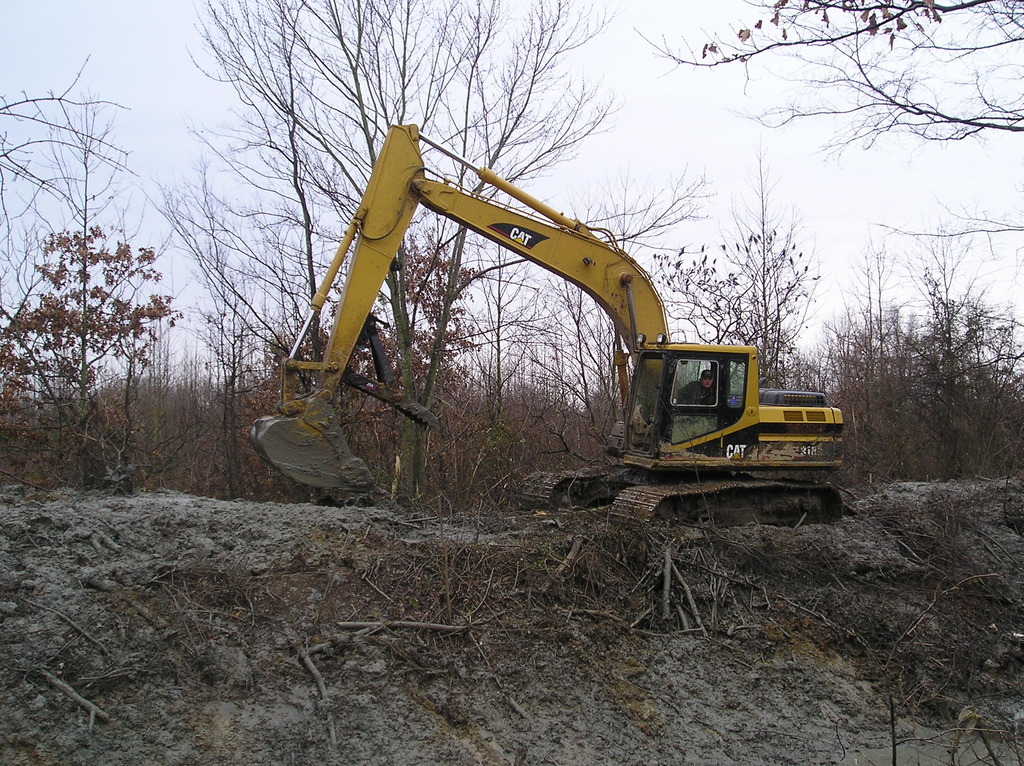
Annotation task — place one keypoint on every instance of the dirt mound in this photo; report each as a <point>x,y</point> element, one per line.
<point>163,628</point>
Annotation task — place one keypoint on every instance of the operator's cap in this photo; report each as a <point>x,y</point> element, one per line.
<point>707,374</point>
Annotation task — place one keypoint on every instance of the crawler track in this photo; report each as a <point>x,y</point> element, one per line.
<point>724,501</point>
<point>732,502</point>
<point>586,488</point>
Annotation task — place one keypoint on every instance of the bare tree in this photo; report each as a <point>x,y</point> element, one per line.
<point>863,362</point>
<point>508,315</point>
<point>756,288</point>
<point>969,364</point>
<point>929,377</point>
<point>34,129</point>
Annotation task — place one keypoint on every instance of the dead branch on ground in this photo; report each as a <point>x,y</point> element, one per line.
<point>95,711</point>
<point>88,636</point>
<point>401,624</point>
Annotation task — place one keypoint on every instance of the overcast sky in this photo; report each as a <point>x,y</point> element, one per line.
<point>140,55</point>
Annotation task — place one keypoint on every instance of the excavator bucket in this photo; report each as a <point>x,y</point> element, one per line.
<point>311,449</point>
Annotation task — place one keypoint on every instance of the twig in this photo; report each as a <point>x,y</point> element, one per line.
<point>689,600</point>
<point>666,585</point>
<point>94,710</point>
<point>322,688</point>
<point>385,595</point>
<point>733,628</point>
<point>101,583</point>
<point>320,685</point>
<point>409,655</point>
<point>70,622</point>
<point>20,480</point>
<point>440,628</point>
<point>920,618</point>
<point>497,682</point>
<point>839,739</point>
<point>406,522</point>
<point>910,552</point>
<point>574,552</point>
<point>892,728</point>
<point>104,539</point>
<point>988,747</point>
<point>640,619</point>
<point>599,613</point>
<point>332,730</point>
<point>849,632</point>
<point>148,616</point>
<point>714,603</point>
<point>517,707</point>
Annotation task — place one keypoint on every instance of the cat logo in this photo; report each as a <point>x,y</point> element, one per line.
<point>525,237</point>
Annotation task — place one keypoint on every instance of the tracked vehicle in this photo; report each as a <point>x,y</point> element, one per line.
<point>698,439</point>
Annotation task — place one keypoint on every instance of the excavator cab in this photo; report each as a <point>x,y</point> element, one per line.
<point>699,407</point>
<point>698,427</point>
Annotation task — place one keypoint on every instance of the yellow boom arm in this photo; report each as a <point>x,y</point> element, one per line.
<point>562,245</point>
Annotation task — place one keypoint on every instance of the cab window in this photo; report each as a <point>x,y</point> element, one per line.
<point>737,383</point>
<point>646,386</point>
<point>695,383</point>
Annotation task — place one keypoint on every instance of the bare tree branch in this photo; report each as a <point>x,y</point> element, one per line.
<point>887,66</point>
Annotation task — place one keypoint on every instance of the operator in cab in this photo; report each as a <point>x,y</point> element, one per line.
<point>700,391</point>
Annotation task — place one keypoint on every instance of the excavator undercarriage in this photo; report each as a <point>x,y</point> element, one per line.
<point>723,500</point>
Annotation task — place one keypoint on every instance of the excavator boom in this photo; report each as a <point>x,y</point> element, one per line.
<point>304,439</point>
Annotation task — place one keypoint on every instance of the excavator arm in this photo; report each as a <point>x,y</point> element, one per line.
<point>304,440</point>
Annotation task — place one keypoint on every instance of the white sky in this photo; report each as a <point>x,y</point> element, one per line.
<point>140,56</point>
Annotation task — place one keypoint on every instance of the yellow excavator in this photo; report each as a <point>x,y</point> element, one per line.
<point>698,440</point>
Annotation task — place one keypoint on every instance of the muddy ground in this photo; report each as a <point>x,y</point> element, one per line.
<point>168,629</point>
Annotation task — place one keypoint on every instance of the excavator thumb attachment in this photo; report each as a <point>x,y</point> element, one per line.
<point>311,449</point>
<point>412,409</point>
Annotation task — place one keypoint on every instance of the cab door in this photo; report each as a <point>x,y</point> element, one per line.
<point>645,410</point>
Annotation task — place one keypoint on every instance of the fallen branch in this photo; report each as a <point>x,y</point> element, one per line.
<point>70,622</point>
<point>400,624</point>
<point>574,552</point>
<point>690,600</point>
<point>666,585</point>
<point>320,685</point>
<point>94,710</point>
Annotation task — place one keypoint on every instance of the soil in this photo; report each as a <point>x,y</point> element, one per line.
<point>168,629</point>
